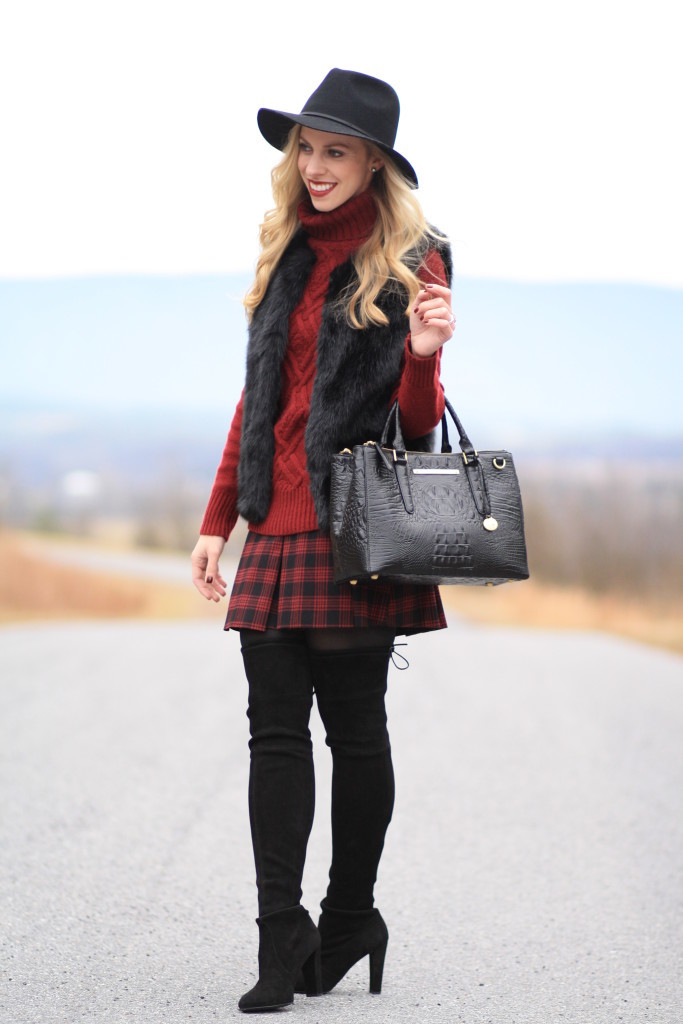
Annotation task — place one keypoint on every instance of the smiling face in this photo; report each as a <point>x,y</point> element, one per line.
<point>334,167</point>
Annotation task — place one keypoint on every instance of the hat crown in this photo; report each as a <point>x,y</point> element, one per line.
<point>348,103</point>
<point>357,100</point>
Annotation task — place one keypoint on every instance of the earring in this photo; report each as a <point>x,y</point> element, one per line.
<point>374,170</point>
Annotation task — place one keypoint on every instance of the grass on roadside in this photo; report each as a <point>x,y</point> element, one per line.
<point>544,606</point>
<point>35,589</point>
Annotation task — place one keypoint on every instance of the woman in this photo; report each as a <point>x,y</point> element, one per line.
<point>348,311</point>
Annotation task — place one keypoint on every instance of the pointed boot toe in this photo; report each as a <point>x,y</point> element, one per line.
<point>289,943</point>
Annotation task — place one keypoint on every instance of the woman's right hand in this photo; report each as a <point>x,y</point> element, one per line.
<point>205,572</point>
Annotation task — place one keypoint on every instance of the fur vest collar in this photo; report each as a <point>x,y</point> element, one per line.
<point>356,373</point>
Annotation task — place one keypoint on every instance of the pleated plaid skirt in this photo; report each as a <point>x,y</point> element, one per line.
<point>287,583</point>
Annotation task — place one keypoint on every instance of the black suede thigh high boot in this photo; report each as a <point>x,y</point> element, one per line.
<point>350,687</point>
<point>281,806</point>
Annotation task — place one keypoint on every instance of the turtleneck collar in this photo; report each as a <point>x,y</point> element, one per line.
<point>352,221</point>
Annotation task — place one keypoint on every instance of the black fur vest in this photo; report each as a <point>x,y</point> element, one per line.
<point>356,374</point>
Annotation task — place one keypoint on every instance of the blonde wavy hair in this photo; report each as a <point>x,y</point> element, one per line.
<point>392,254</point>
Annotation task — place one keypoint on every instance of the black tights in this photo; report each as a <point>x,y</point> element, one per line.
<point>347,670</point>
<point>322,639</point>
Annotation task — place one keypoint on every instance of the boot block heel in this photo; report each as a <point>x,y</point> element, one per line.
<point>348,936</point>
<point>313,975</point>
<point>377,968</point>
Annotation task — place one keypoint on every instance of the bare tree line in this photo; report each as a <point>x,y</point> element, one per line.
<point>608,527</point>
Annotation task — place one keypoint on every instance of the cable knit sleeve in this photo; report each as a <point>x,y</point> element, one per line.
<point>221,512</point>
<point>420,394</point>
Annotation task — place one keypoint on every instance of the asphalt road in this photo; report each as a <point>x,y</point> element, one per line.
<point>533,871</point>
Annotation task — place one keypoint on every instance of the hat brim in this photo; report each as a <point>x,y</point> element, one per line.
<point>275,126</point>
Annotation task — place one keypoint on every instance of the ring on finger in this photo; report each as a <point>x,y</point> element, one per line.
<point>451,322</point>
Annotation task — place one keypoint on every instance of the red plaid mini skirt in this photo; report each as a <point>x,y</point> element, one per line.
<point>286,583</point>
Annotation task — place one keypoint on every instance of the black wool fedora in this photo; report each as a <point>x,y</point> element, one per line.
<point>348,103</point>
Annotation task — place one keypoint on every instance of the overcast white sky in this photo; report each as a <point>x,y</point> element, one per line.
<point>547,136</point>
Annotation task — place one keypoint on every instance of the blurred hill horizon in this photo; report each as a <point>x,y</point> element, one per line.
<point>527,362</point>
<point>116,393</point>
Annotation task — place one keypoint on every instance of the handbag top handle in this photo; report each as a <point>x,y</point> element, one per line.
<point>392,435</point>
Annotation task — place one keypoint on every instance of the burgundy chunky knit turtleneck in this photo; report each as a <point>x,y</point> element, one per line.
<point>333,237</point>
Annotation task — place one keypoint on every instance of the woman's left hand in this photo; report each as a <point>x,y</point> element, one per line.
<point>431,320</point>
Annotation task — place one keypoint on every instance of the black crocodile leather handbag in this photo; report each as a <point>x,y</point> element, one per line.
<point>426,517</point>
